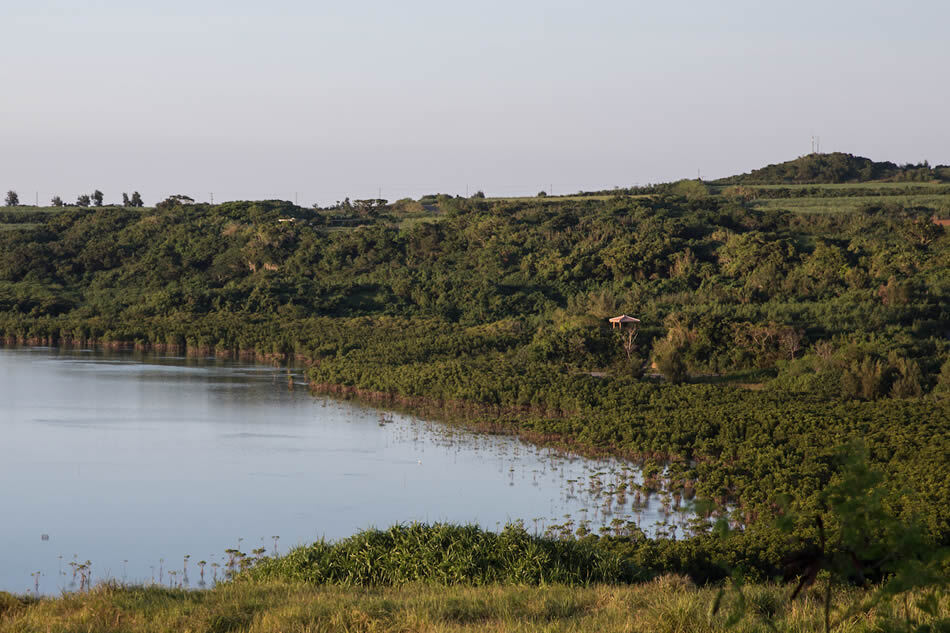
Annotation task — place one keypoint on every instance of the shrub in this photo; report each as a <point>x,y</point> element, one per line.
<point>444,554</point>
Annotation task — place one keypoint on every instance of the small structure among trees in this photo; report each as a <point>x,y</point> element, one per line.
<point>628,337</point>
<point>624,319</point>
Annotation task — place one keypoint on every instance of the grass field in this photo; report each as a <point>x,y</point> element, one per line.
<point>669,604</point>
<point>936,187</point>
<point>939,203</point>
<point>21,210</point>
<point>18,226</point>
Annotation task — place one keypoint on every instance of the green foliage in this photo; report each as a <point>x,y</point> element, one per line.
<point>836,167</point>
<point>669,360</point>
<point>943,381</point>
<point>444,554</point>
<point>692,190</point>
<point>858,538</point>
<point>494,312</point>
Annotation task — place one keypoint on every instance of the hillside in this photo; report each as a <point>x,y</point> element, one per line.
<point>774,344</point>
<point>498,309</point>
<point>836,168</point>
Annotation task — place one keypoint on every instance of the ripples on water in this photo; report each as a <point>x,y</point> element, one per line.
<point>135,461</point>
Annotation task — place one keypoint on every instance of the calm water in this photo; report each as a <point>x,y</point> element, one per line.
<point>133,461</point>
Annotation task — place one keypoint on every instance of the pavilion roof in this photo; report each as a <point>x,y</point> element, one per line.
<point>623,318</point>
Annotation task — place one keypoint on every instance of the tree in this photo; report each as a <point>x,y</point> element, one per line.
<point>136,200</point>
<point>56,201</point>
<point>12,199</point>
<point>864,379</point>
<point>850,534</point>
<point>97,198</point>
<point>860,539</point>
<point>692,190</point>
<point>175,200</point>
<point>125,200</point>
<point>943,379</point>
<point>82,201</point>
<point>668,357</point>
<point>894,293</point>
<point>628,339</point>
<point>370,207</point>
<point>907,383</point>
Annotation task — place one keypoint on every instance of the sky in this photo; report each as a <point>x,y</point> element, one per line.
<point>316,101</point>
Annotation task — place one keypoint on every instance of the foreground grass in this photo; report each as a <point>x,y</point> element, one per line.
<point>669,604</point>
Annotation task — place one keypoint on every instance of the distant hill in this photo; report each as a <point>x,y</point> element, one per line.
<point>837,167</point>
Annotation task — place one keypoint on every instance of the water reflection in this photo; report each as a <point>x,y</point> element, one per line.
<point>146,468</point>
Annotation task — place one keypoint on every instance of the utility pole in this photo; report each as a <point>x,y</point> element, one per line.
<point>212,197</point>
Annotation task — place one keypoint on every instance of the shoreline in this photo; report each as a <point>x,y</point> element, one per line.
<point>180,349</point>
<point>467,413</point>
<point>472,416</point>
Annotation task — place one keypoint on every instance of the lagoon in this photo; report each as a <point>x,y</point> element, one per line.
<point>133,461</point>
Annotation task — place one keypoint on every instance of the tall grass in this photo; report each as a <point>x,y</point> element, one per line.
<point>445,554</point>
<point>669,604</point>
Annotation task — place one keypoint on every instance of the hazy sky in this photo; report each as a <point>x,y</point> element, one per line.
<point>327,99</point>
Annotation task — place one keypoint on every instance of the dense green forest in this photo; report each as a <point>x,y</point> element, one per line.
<point>769,338</point>
<point>838,167</point>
